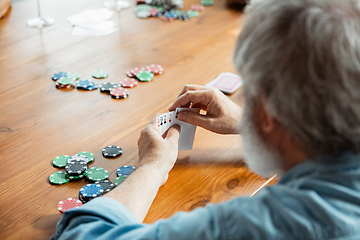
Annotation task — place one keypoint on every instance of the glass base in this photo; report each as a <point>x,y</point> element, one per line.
<point>39,22</point>
<point>117,5</point>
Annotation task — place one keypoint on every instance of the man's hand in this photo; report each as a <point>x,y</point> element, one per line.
<point>222,114</point>
<point>156,151</point>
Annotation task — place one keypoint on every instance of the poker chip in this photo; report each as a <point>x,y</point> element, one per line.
<point>73,75</point>
<point>192,13</point>
<point>62,86</point>
<point>143,14</point>
<point>76,167</point>
<point>66,81</point>
<point>79,157</point>
<point>119,93</point>
<point>59,178</point>
<point>166,19</point>
<point>76,177</point>
<point>142,7</point>
<point>60,161</point>
<point>135,71</point>
<point>159,8</point>
<point>197,7</point>
<point>128,83</point>
<point>155,69</point>
<point>68,203</point>
<point>119,180</point>
<point>58,75</point>
<point>145,75</point>
<point>91,190</point>
<point>207,2</point>
<point>111,151</point>
<point>125,170</point>
<point>107,87</point>
<point>89,155</point>
<point>106,185</point>
<point>129,74</point>
<point>100,74</point>
<point>153,12</point>
<point>170,14</point>
<point>96,174</point>
<point>183,17</point>
<point>86,85</point>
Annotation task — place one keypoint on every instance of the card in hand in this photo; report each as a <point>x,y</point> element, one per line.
<point>226,82</point>
<point>187,133</point>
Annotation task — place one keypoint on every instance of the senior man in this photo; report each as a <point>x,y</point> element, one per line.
<point>300,61</point>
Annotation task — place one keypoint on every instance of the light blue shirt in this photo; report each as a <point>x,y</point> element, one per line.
<point>314,200</point>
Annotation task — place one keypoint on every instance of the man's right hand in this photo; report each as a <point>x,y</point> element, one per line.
<point>222,114</point>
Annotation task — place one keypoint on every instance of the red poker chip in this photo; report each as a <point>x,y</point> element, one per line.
<point>68,203</point>
<point>166,19</point>
<point>153,12</point>
<point>155,69</point>
<point>129,74</point>
<point>61,86</point>
<point>128,83</point>
<point>197,7</point>
<point>136,70</point>
<point>119,93</point>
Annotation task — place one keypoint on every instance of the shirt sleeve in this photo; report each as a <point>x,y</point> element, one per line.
<point>106,218</point>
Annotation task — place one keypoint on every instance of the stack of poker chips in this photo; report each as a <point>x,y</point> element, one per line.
<point>90,191</point>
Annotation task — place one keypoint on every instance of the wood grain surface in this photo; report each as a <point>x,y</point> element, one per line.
<point>39,122</point>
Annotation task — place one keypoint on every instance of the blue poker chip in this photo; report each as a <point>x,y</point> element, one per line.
<point>91,190</point>
<point>125,170</point>
<point>91,87</point>
<point>86,85</point>
<point>58,75</point>
<point>170,14</point>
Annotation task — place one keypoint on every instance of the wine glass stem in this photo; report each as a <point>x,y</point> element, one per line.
<point>38,5</point>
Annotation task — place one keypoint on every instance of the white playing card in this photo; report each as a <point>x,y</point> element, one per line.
<point>187,133</point>
<point>226,82</point>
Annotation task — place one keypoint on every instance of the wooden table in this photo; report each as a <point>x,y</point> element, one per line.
<point>39,122</point>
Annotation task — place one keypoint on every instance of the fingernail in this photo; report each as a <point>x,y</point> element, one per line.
<point>182,116</point>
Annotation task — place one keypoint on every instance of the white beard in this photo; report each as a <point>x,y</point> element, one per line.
<point>257,155</point>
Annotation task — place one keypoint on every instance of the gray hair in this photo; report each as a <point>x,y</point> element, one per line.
<point>304,56</point>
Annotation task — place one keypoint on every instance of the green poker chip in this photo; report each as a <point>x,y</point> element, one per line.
<point>193,13</point>
<point>66,80</point>
<point>59,178</point>
<point>100,74</point>
<point>89,155</point>
<point>145,75</point>
<point>96,174</point>
<point>178,12</point>
<point>207,2</point>
<point>60,161</point>
<point>142,7</point>
<point>119,180</point>
<point>76,177</point>
<point>73,75</point>
<point>161,9</point>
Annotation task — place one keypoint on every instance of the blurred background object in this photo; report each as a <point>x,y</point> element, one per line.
<point>237,4</point>
<point>4,7</point>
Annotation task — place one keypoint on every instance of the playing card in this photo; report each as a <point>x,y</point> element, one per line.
<point>187,134</point>
<point>226,82</point>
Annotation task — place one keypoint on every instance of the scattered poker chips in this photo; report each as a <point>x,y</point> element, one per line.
<point>60,161</point>
<point>128,83</point>
<point>59,178</point>
<point>100,74</point>
<point>89,155</point>
<point>96,174</point>
<point>68,203</point>
<point>106,185</point>
<point>119,93</point>
<point>125,171</point>
<point>119,180</point>
<point>168,10</point>
<point>112,151</point>
<point>86,85</point>
<point>107,87</point>
<point>90,191</point>
<point>145,75</point>
<point>155,69</point>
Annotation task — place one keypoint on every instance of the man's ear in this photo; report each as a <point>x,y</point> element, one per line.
<point>266,122</point>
